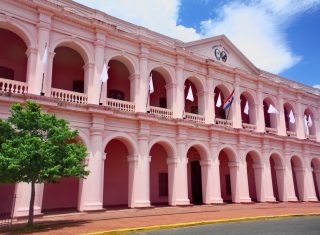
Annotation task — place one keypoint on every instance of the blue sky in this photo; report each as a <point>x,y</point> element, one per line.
<point>279,36</point>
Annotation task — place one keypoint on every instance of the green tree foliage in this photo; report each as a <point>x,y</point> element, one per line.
<point>36,147</point>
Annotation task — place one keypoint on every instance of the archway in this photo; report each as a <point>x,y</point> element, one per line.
<point>290,119</point>
<point>159,97</point>
<point>254,171</point>
<point>116,174</point>
<point>309,126</point>
<point>298,175</point>
<point>13,58</point>
<point>67,190</point>
<point>67,70</point>
<point>270,114</point>
<point>7,197</point>
<point>315,165</point>
<point>228,175</point>
<point>277,176</point>
<point>247,105</point>
<point>118,84</point>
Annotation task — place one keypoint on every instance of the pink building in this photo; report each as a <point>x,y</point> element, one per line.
<point>267,148</point>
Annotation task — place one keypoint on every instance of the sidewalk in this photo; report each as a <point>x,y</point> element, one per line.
<point>79,223</point>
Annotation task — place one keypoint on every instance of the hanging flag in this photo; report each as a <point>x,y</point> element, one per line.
<point>151,88</point>
<point>104,75</point>
<point>309,121</point>
<point>228,101</point>
<point>272,109</point>
<point>218,104</point>
<point>291,117</point>
<point>305,119</point>
<point>45,56</point>
<point>246,108</point>
<point>190,95</point>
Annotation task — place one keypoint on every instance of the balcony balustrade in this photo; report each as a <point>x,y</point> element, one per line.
<point>194,117</point>
<point>249,127</point>
<point>223,122</point>
<point>120,105</point>
<point>161,112</point>
<point>291,133</point>
<point>12,86</point>
<point>312,137</point>
<point>69,96</point>
<point>271,130</point>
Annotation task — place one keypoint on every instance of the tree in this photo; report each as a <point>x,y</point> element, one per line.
<point>37,147</point>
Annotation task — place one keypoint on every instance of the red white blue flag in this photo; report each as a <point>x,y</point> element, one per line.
<point>228,101</point>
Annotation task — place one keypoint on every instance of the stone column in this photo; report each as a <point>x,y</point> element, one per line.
<point>237,119</point>
<point>206,180</point>
<point>300,178</point>
<point>235,182</point>
<point>23,195</point>
<point>310,190</point>
<point>281,120</point>
<point>142,91</point>
<point>266,184</point>
<point>300,119</point>
<point>49,74</point>
<point>210,108</point>
<point>288,181</point>
<point>94,78</point>
<point>260,114</point>
<point>171,95</point>
<point>215,171</point>
<point>173,177</point>
<point>92,187</point>
<point>132,182</point>
<point>32,74</point>
<point>259,181</point>
<point>242,178</point>
<point>178,102</point>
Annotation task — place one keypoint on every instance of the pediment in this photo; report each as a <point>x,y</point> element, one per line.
<point>221,49</point>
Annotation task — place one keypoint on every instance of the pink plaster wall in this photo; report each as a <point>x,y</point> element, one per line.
<point>118,78</point>
<point>159,85</point>
<point>115,174</point>
<point>6,197</point>
<point>251,178</point>
<point>13,54</point>
<point>61,195</point>
<point>67,67</point>
<point>224,170</point>
<point>274,179</point>
<point>157,165</point>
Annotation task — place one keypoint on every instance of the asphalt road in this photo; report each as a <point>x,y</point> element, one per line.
<point>289,226</point>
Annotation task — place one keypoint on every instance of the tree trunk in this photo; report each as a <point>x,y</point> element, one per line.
<point>30,219</point>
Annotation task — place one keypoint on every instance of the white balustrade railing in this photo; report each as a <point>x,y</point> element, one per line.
<point>312,137</point>
<point>291,133</point>
<point>161,112</point>
<point>120,105</point>
<point>249,127</point>
<point>271,130</point>
<point>12,86</point>
<point>194,117</point>
<point>223,122</point>
<point>69,96</point>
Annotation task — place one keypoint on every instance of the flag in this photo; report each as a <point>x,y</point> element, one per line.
<point>272,109</point>
<point>104,75</point>
<point>291,117</point>
<point>45,56</point>
<point>151,88</point>
<point>218,104</point>
<point>228,101</point>
<point>309,121</point>
<point>190,95</point>
<point>305,119</point>
<point>246,108</point>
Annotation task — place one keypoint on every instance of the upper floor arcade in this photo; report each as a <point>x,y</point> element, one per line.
<point>46,59</point>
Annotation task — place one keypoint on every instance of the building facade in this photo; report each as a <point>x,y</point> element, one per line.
<point>149,148</point>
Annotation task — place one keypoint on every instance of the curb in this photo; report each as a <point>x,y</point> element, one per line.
<point>205,222</point>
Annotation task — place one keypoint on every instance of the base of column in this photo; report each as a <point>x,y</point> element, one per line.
<point>216,200</point>
<point>182,202</point>
<point>270,199</point>
<point>141,204</point>
<point>292,199</point>
<point>245,200</point>
<point>92,207</point>
<point>24,212</point>
<point>312,199</point>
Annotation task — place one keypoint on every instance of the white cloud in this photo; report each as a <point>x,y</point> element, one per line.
<point>317,86</point>
<point>256,27</point>
<point>158,15</point>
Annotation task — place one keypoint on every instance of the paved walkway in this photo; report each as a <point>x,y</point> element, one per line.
<point>79,223</point>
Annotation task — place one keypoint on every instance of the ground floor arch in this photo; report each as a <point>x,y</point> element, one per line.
<point>195,193</point>
<point>277,175</point>
<point>115,180</point>
<point>254,172</point>
<point>298,177</point>
<point>315,165</point>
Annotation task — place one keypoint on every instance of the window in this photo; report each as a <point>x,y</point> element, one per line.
<point>78,86</point>
<point>228,185</point>
<point>163,103</point>
<point>163,184</point>
<point>194,109</point>
<point>6,73</point>
<point>116,94</point>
